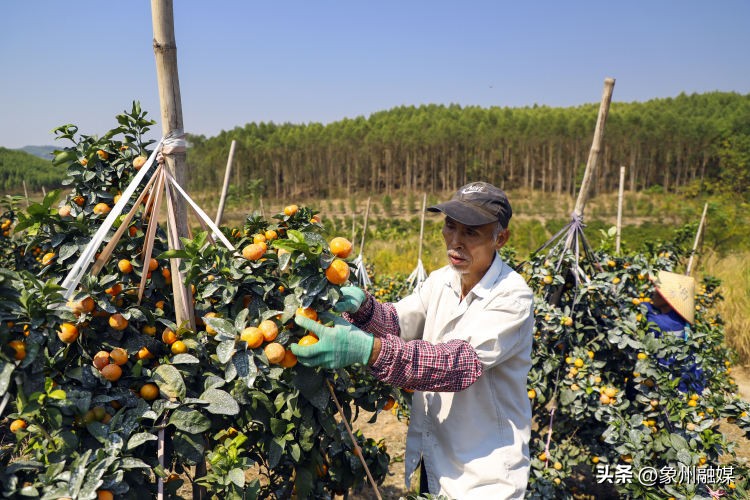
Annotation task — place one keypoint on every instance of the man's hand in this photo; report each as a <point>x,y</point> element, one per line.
<point>351,299</point>
<point>340,345</point>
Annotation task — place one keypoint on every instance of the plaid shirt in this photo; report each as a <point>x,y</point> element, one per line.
<point>418,365</point>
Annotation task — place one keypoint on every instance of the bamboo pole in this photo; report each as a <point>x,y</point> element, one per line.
<point>225,187</point>
<point>583,194</point>
<point>165,54</point>
<point>697,240</point>
<point>619,209</point>
<point>364,229</point>
<point>421,226</point>
<point>26,193</point>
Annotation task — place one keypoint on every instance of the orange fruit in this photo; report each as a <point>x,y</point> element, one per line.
<point>167,274</point>
<point>101,209</point>
<point>178,347</point>
<point>168,336</point>
<point>338,272</point>
<point>159,304</point>
<point>88,304</point>
<point>389,404</point>
<point>275,353</point>
<point>104,495</point>
<point>210,330</point>
<point>269,330</point>
<point>17,425</point>
<point>48,258</point>
<point>114,290</point>
<point>153,264</point>
<point>103,155</point>
<point>68,333</point>
<point>101,359</point>
<point>271,235</point>
<point>125,266</point>
<point>117,198</point>
<point>139,161</point>
<point>253,336</point>
<point>79,200</point>
<point>112,372</point>
<point>340,247</point>
<point>290,210</point>
<point>144,353</point>
<point>119,355</point>
<point>308,339</point>
<point>149,330</point>
<point>254,251</point>
<point>149,391</point>
<point>19,347</point>
<point>289,359</point>
<point>308,312</point>
<point>259,238</point>
<point>64,211</point>
<point>118,322</point>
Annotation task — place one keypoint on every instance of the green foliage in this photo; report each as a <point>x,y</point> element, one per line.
<point>616,403</point>
<point>18,166</point>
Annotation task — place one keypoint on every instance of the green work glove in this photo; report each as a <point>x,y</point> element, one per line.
<point>340,345</point>
<point>351,299</point>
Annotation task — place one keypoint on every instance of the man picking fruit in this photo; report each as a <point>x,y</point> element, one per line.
<point>462,341</point>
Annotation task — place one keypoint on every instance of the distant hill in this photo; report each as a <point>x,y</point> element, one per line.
<point>17,166</point>
<point>40,151</point>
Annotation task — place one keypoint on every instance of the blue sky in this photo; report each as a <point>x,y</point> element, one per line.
<point>241,61</point>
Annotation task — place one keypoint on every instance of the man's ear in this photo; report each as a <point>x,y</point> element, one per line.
<point>502,238</point>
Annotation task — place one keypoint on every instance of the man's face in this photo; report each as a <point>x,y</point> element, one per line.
<point>472,248</point>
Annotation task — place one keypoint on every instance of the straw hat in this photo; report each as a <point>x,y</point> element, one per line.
<point>679,292</point>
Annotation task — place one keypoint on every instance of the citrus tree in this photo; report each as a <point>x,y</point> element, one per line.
<point>97,388</point>
<point>617,409</point>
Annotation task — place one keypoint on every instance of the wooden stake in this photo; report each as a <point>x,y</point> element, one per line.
<point>619,209</point>
<point>583,194</point>
<point>165,52</point>
<point>364,229</point>
<point>697,240</point>
<point>25,193</point>
<point>225,187</point>
<point>421,226</point>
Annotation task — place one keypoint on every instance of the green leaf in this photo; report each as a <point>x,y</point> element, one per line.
<point>191,421</point>
<point>170,382</point>
<point>225,330</point>
<point>140,438</point>
<point>237,476</point>
<point>6,370</point>
<point>188,447</point>
<point>311,385</point>
<point>679,442</point>
<point>174,254</point>
<point>67,250</point>
<point>278,427</point>
<point>57,394</point>
<point>220,402</point>
<point>225,350</point>
<point>240,321</point>
<point>134,463</point>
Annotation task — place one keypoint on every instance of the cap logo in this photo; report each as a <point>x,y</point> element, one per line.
<point>474,188</point>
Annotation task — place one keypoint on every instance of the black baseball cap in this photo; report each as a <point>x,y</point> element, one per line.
<point>476,204</point>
